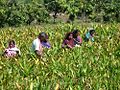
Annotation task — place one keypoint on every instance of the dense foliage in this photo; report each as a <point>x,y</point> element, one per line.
<point>17,12</point>
<point>93,66</point>
<point>14,14</point>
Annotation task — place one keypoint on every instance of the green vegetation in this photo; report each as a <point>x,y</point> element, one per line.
<point>93,66</point>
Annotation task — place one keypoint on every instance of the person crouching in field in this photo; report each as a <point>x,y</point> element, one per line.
<point>12,50</point>
<point>45,43</point>
<point>77,38</point>
<point>89,36</point>
<point>39,43</point>
<point>68,41</point>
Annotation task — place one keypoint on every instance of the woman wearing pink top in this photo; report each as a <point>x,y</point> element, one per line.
<point>12,50</point>
<point>68,42</point>
<point>76,37</point>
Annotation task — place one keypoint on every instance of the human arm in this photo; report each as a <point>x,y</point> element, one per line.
<point>38,53</point>
<point>92,39</point>
<point>46,44</point>
<point>67,43</point>
<point>38,48</point>
<point>77,40</point>
<point>69,46</point>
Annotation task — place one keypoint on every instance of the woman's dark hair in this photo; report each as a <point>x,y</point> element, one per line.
<point>75,33</point>
<point>43,34</point>
<point>67,35</point>
<point>92,32</point>
<point>12,41</point>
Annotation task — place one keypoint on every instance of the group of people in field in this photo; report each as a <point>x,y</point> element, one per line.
<point>71,40</point>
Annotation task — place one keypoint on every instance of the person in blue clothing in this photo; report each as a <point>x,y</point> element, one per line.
<point>89,36</point>
<point>45,43</point>
<point>39,43</point>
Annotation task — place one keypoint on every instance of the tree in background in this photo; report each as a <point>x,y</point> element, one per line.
<point>53,6</point>
<point>71,7</point>
<point>20,12</point>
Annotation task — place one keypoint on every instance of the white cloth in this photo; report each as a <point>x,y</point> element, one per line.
<point>36,45</point>
<point>10,52</point>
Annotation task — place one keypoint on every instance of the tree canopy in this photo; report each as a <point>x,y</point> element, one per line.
<point>17,12</point>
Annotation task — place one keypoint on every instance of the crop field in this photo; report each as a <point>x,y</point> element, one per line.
<point>93,66</point>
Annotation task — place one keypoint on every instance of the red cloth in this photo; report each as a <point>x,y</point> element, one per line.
<point>68,42</point>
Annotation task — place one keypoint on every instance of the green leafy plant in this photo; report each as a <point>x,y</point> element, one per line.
<point>94,66</point>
